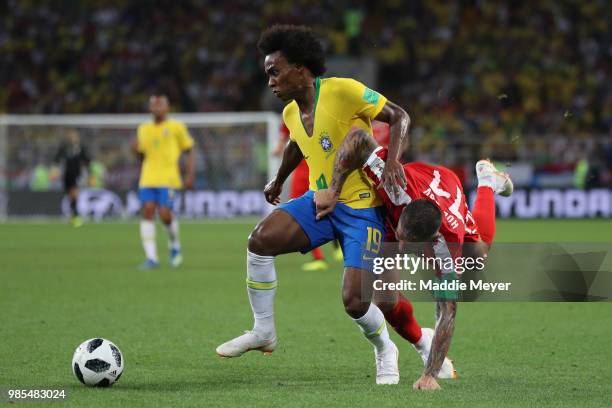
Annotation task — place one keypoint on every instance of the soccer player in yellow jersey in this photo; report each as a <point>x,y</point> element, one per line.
<point>319,114</point>
<point>160,143</point>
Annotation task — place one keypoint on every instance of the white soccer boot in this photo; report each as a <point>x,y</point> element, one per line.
<point>423,347</point>
<point>499,181</point>
<point>387,365</point>
<point>249,341</point>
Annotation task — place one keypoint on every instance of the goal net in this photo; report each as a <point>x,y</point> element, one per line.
<point>232,156</point>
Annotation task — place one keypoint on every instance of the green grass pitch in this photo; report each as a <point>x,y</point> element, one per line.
<point>61,286</point>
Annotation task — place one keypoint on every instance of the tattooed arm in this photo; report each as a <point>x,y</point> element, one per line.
<point>445,325</point>
<point>352,154</point>
<point>393,177</point>
<point>446,311</point>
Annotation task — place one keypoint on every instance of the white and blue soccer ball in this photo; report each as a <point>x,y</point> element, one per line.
<point>98,362</point>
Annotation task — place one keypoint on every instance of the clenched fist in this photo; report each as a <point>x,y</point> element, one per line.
<point>272,192</point>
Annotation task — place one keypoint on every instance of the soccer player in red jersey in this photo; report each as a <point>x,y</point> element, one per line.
<point>430,209</point>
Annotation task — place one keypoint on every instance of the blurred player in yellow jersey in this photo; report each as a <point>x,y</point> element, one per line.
<point>319,113</point>
<point>160,144</point>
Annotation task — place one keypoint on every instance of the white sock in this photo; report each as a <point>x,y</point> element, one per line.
<point>373,326</point>
<point>487,178</point>
<point>147,235</point>
<point>261,287</point>
<point>424,342</point>
<point>173,234</point>
<point>487,181</point>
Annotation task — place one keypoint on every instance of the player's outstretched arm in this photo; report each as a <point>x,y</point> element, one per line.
<point>352,154</point>
<point>292,156</point>
<point>393,176</point>
<point>446,311</point>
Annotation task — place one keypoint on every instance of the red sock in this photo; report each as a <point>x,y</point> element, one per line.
<point>402,319</point>
<point>317,254</point>
<point>484,213</point>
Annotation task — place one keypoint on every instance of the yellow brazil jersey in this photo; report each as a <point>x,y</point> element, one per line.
<point>162,145</point>
<point>340,104</point>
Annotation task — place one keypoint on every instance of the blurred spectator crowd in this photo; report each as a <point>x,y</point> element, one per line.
<point>462,69</point>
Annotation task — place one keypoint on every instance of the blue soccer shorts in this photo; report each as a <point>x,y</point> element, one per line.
<point>163,197</point>
<point>359,231</point>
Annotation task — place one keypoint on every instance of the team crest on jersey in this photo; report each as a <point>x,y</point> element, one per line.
<point>325,142</point>
<point>166,132</point>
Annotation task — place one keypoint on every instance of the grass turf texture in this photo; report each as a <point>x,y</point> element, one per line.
<point>61,286</point>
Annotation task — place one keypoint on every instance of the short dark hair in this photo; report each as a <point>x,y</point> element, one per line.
<point>297,43</point>
<point>421,220</point>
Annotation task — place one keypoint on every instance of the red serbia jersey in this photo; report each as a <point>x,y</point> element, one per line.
<point>434,183</point>
<point>381,133</point>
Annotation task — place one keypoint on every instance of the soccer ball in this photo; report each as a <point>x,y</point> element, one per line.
<point>97,362</point>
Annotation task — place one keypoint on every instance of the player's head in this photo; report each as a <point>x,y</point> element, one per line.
<point>293,57</point>
<point>159,106</point>
<point>419,222</point>
<point>73,136</point>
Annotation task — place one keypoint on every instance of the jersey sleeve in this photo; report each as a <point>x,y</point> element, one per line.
<point>374,168</point>
<point>359,100</point>
<point>184,138</point>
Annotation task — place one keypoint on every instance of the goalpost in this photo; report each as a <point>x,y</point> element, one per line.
<point>232,155</point>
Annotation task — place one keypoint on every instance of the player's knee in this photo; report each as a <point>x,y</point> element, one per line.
<point>482,249</point>
<point>354,305</point>
<point>474,250</point>
<point>261,242</point>
<point>165,215</point>
<point>148,211</point>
